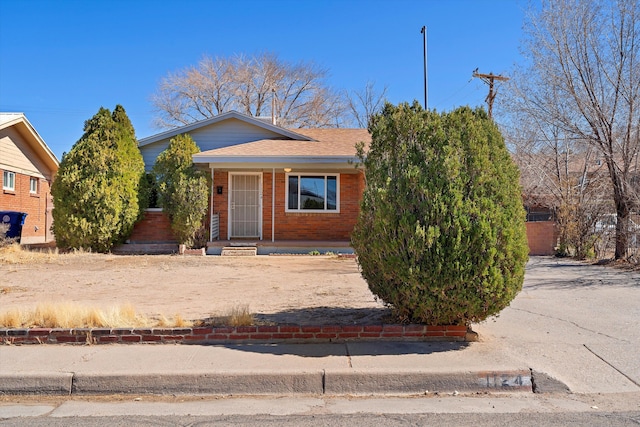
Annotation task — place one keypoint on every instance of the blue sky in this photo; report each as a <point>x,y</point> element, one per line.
<point>60,61</point>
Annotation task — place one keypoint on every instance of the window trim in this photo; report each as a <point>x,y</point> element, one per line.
<point>319,174</point>
<point>33,180</point>
<point>5,186</point>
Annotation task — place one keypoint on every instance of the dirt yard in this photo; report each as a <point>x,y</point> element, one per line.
<point>278,289</point>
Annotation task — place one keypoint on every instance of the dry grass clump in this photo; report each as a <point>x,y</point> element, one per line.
<point>177,322</point>
<point>239,315</point>
<point>72,315</point>
<point>16,254</point>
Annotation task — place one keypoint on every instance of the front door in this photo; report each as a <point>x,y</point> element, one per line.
<point>244,205</point>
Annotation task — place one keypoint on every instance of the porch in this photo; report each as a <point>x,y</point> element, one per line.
<point>296,247</point>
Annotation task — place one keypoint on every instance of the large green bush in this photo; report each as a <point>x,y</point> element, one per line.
<point>95,191</point>
<point>441,235</point>
<point>183,190</point>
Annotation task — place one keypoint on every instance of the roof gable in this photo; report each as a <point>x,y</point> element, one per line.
<point>19,122</point>
<point>253,121</point>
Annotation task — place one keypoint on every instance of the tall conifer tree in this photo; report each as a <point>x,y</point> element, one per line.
<point>96,188</point>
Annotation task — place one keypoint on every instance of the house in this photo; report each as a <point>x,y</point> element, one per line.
<point>27,168</point>
<point>280,189</point>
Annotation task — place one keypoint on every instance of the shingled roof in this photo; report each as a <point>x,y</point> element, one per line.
<point>326,143</point>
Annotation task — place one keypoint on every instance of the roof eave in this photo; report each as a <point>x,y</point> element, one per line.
<point>198,158</point>
<point>344,163</point>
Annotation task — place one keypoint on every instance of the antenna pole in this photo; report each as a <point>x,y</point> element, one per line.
<point>424,53</point>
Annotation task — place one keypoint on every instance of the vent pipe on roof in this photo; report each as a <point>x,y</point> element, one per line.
<point>273,107</point>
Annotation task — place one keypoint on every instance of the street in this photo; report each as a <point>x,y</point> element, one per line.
<point>482,410</point>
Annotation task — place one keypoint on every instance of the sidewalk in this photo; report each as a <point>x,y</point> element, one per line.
<point>262,369</point>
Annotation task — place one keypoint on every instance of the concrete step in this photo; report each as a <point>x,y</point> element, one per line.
<point>239,251</point>
<point>146,248</point>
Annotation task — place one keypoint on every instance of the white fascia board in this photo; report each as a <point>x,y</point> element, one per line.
<point>342,163</point>
<point>293,160</point>
<point>43,145</point>
<point>342,167</point>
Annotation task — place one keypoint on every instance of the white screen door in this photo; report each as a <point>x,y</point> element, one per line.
<point>245,205</point>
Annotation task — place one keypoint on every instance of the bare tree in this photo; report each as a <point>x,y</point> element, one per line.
<point>557,172</point>
<point>251,85</point>
<point>362,104</point>
<point>584,80</point>
<point>195,93</point>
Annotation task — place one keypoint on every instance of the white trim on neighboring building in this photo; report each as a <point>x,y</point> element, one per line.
<point>9,180</point>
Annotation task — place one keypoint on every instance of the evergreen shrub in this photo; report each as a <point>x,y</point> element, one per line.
<point>441,235</point>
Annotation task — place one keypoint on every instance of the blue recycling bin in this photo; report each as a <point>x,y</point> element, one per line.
<point>15,221</point>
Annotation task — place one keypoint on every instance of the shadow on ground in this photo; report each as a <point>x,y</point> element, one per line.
<point>326,316</point>
<point>379,348</point>
<point>566,274</point>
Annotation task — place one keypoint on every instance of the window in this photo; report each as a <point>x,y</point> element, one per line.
<point>313,192</point>
<point>9,181</point>
<point>33,185</point>
<point>537,214</point>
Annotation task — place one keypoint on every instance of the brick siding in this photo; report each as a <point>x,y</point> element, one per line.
<point>239,334</point>
<point>154,227</point>
<point>320,226</point>
<point>221,201</point>
<point>37,207</point>
<point>542,237</point>
<point>293,225</point>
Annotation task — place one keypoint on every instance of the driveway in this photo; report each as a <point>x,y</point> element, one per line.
<point>576,322</point>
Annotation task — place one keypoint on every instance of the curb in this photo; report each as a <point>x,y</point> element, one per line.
<point>261,383</point>
<point>42,383</point>
<point>199,383</point>
<point>426,382</point>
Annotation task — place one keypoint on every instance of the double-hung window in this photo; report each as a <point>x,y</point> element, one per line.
<point>9,181</point>
<point>313,192</point>
<point>33,185</point>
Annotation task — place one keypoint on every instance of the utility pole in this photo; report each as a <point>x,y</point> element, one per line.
<point>489,79</point>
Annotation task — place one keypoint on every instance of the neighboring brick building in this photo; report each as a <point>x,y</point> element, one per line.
<point>542,233</point>
<point>27,168</point>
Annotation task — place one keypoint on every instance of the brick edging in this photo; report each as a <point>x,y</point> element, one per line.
<point>239,334</point>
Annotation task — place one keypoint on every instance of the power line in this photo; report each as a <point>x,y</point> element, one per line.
<point>452,95</point>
